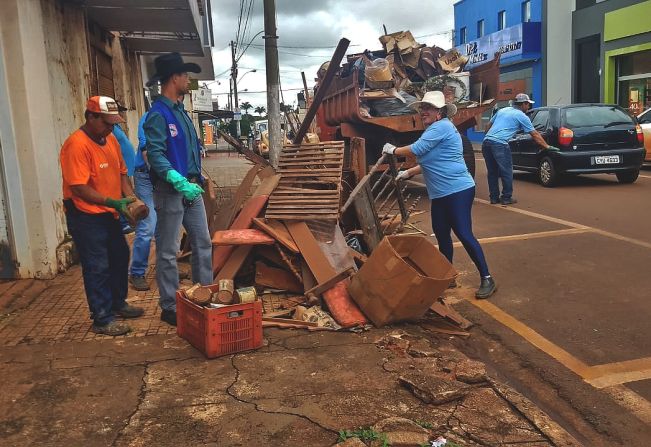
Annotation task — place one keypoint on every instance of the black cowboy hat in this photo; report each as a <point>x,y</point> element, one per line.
<point>169,64</point>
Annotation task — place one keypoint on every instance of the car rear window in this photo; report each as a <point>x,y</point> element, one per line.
<point>595,116</point>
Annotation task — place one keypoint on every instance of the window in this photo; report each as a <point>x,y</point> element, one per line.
<point>540,120</point>
<point>501,20</point>
<point>463,35</point>
<point>480,28</point>
<point>595,116</point>
<point>526,11</point>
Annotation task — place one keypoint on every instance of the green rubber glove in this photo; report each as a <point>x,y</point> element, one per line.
<point>189,190</point>
<point>553,149</point>
<point>120,205</point>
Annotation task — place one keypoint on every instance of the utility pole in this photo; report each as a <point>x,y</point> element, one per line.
<point>236,103</point>
<point>273,81</point>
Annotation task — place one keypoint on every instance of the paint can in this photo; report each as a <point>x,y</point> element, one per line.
<point>245,295</point>
<point>224,294</point>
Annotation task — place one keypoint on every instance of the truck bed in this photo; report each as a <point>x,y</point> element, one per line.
<point>341,104</point>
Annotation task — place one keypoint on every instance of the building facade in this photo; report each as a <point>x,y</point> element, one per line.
<point>522,32</point>
<point>54,54</point>
<point>612,53</point>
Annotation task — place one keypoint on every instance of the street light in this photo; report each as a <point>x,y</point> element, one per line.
<point>250,71</point>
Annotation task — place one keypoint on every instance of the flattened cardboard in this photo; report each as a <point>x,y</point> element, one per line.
<point>401,279</point>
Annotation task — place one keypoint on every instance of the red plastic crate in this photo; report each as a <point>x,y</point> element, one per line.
<point>217,332</point>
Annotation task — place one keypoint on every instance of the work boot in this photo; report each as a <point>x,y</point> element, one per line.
<point>139,283</point>
<point>509,201</point>
<point>129,311</point>
<point>494,201</point>
<point>113,329</point>
<point>168,316</point>
<point>486,288</point>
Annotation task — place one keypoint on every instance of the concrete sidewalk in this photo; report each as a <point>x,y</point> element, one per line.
<point>65,385</point>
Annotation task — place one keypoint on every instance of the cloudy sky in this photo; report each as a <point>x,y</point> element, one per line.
<point>308,32</point>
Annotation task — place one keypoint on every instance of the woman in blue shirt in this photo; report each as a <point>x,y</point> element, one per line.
<point>450,187</point>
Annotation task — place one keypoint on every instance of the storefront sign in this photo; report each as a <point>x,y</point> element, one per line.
<point>202,100</point>
<point>509,42</point>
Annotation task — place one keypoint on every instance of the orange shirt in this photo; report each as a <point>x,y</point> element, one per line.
<point>84,162</point>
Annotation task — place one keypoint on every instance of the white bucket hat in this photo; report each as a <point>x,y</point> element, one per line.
<point>436,99</point>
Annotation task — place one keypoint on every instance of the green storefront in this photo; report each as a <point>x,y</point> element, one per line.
<point>627,57</point>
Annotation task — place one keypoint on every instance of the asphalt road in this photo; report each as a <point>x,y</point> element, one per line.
<point>569,325</point>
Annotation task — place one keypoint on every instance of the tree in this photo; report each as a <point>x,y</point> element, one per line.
<point>246,106</point>
<point>260,110</point>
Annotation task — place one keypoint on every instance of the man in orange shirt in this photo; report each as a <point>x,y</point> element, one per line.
<point>94,183</point>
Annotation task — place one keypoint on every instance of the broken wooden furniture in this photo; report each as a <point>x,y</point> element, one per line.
<point>310,182</point>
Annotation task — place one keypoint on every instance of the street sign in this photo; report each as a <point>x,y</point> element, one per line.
<point>202,100</point>
<point>237,114</point>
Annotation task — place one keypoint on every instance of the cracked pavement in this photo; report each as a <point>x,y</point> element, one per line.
<point>300,389</point>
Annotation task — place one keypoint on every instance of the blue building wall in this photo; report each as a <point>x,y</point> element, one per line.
<point>468,12</point>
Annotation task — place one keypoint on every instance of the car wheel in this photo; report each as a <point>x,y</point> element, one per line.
<point>547,173</point>
<point>627,176</point>
<point>468,154</point>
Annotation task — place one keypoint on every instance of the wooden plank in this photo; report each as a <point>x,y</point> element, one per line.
<point>276,278</point>
<point>251,209</point>
<point>367,217</point>
<point>267,185</point>
<point>450,315</point>
<point>358,157</point>
<point>278,231</point>
<point>234,262</point>
<point>309,248</point>
<point>292,190</point>
<point>255,158</point>
<point>242,237</point>
<point>303,217</point>
<point>320,288</point>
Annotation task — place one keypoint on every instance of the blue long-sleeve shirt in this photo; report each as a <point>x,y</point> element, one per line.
<point>142,140</point>
<point>155,130</point>
<point>128,152</point>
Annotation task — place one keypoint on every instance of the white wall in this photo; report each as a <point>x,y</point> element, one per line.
<point>558,51</point>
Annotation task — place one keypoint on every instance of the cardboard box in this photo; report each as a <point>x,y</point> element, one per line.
<point>401,279</point>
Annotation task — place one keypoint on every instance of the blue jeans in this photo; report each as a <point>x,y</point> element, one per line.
<point>172,211</point>
<point>499,164</point>
<point>453,213</point>
<point>145,228</point>
<point>104,256</point>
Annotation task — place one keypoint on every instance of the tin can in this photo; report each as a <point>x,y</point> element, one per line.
<point>245,295</point>
<point>225,293</point>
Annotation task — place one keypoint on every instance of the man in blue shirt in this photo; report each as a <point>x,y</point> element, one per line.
<point>145,227</point>
<point>497,153</point>
<point>128,153</point>
<point>173,153</point>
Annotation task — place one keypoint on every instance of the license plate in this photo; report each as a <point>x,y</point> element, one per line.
<point>606,159</point>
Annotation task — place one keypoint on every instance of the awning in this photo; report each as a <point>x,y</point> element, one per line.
<point>154,26</point>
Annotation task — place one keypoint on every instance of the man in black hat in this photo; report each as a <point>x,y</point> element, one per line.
<point>173,152</point>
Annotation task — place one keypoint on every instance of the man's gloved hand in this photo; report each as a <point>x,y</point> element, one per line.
<point>403,175</point>
<point>189,190</point>
<point>388,148</point>
<point>553,149</point>
<point>120,205</point>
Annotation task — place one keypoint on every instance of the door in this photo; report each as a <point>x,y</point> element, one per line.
<point>7,260</point>
<point>529,149</point>
<point>588,65</point>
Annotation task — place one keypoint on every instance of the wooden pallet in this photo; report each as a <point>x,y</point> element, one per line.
<point>310,182</point>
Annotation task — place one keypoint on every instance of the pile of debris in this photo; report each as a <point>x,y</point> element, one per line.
<point>287,245</point>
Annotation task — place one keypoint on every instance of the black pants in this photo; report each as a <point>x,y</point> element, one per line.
<point>104,256</point>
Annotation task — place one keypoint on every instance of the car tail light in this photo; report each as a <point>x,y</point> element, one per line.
<point>565,136</point>
<point>640,135</point>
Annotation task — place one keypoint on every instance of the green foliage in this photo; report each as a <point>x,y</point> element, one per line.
<point>424,424</point>
<point>364,434</point>
<point>260,110</point>
<point>246,106</point>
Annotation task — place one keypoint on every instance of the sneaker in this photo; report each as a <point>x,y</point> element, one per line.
<point>113,329</point>
<point>509,201</point>
<point>168,316</point>
<point>127,229</point>
<point>139,283</point>
<point>486,288</point>
<point>129,311</point>
<point>494,201</point>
